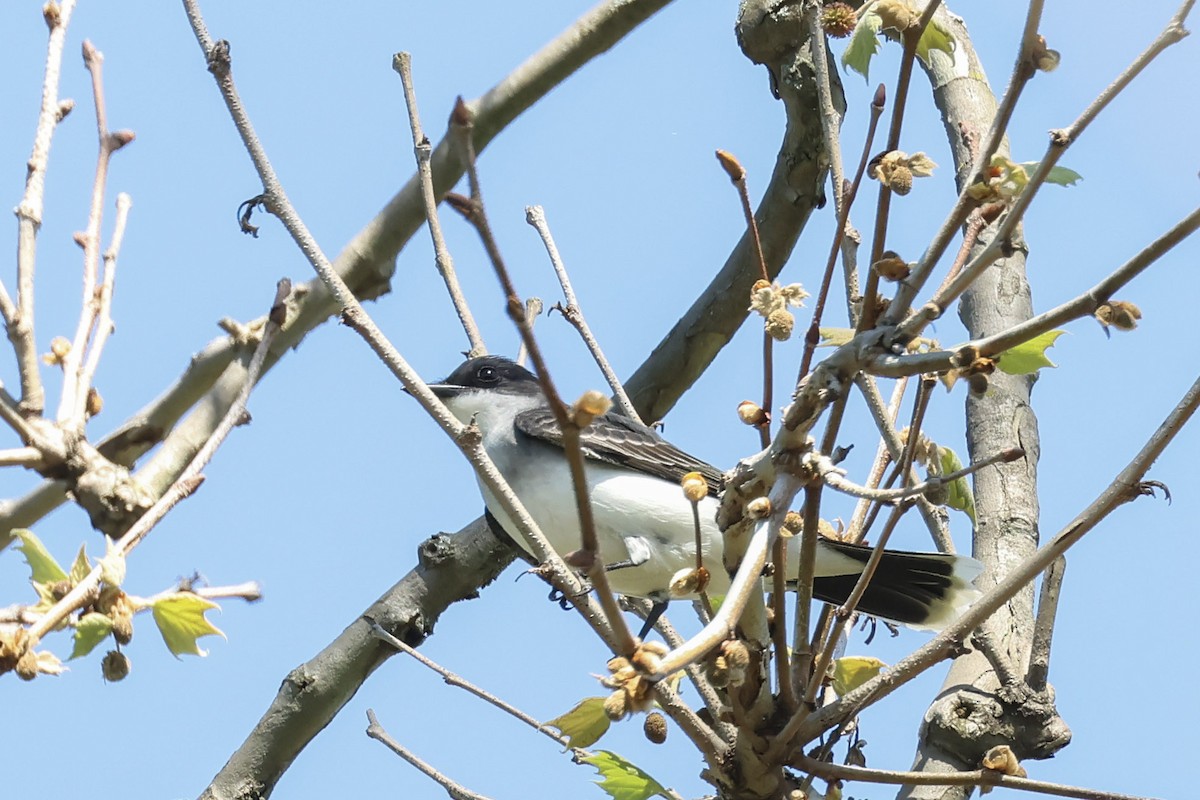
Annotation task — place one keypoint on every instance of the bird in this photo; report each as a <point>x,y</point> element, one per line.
<point>644,524</point>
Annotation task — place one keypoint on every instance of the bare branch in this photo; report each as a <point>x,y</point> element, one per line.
<point>980,777</point>
<point>72,406</point>
<point>402,63</point>
<point>536,216</point>
<point>622,641</point>
<point>455,790</point>
<point>187,483</point>
<point>19,320</point>
<point>462,683</point>
<point>1043,625</point>
<point>104,322</point>
<point>1124,488</point>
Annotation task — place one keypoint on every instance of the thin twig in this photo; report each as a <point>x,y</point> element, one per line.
<point>187,482</point>
<point>19,320</point>
<point>1126,487</point>
<point>1043,625</point>
<point>744,584</point>
<point>804,592</point>
<point>883,457</point>
<point>30,457</point>
<point>1023,71</point>
<point>104,322</point>
<point>72,406</point>
<point>456,790</point>
<point>843,196</point>
<point>476,214</point>
<point>911,36</point>
<point>1080,306</point>
<point>533,309</point>
<point>933,517</point>
<point>462,683</point>
<point>699,679</point>
<point>573,313</point>
<point>846,611</point>
<point>832,476</point>
<point>979,777</point>
<point>1060,140</point>
<point>402,63</point>
<point>561,576</point>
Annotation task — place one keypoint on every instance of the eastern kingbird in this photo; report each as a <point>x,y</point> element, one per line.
<point>644,523</point>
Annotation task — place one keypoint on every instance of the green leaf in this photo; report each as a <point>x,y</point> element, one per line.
<point>621,779</point>
<point>960,496</point>
<point>112,566</point>
<point>45,568</point>
<point>863,45</point>
<point>81,567</point>
<point>1059,176</point>
<point>584,724</point>
<point>835,337</point>
<point>851,672</point>
<point>1029,356</point>
<point>936,36</point>
<point>180,619</point>
<point>89,632</point>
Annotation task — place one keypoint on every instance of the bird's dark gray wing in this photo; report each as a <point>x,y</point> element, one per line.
<point>619,440</point>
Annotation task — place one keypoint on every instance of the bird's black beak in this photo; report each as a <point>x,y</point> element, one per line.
<point>442,390</point>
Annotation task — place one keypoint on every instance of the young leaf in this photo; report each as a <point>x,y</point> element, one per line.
<point>1029,356</point>
<point>45,569</point>
<point>584,724</point>
<point>1059,176</point>
<point>936,36</point>
<point>180,619</point>
<point>835,337</point>
<point>863,45</point>
<point>621,779</point>
<point>960,497</point>
<point>48,663</point>
<point>89,632</point>
<point>851,672</point>
<point>81,567</point>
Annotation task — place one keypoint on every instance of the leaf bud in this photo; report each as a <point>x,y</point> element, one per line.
<point>751,413</point>
<point>891,266</point>
<point>732,167</point>
<point>695,487</point>
<point>616,706</point>
<point>591,404</point>
<point>759,508</point>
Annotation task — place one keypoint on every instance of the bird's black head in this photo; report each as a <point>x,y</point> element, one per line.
<point>487,373</point>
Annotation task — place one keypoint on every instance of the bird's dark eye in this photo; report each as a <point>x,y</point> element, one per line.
<point>487,375</point>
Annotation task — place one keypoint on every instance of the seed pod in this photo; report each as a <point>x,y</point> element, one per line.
<point>115,666</point>
<point>655,727</point>
<point>27,666</point>
<point>780,323</point>
<point>838,19</point>
<point>901,180</point>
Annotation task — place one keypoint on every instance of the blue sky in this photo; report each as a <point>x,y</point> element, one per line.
<point>324,498</point>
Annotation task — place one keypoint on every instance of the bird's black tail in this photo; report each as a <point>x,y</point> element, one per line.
<point>922,590</point>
